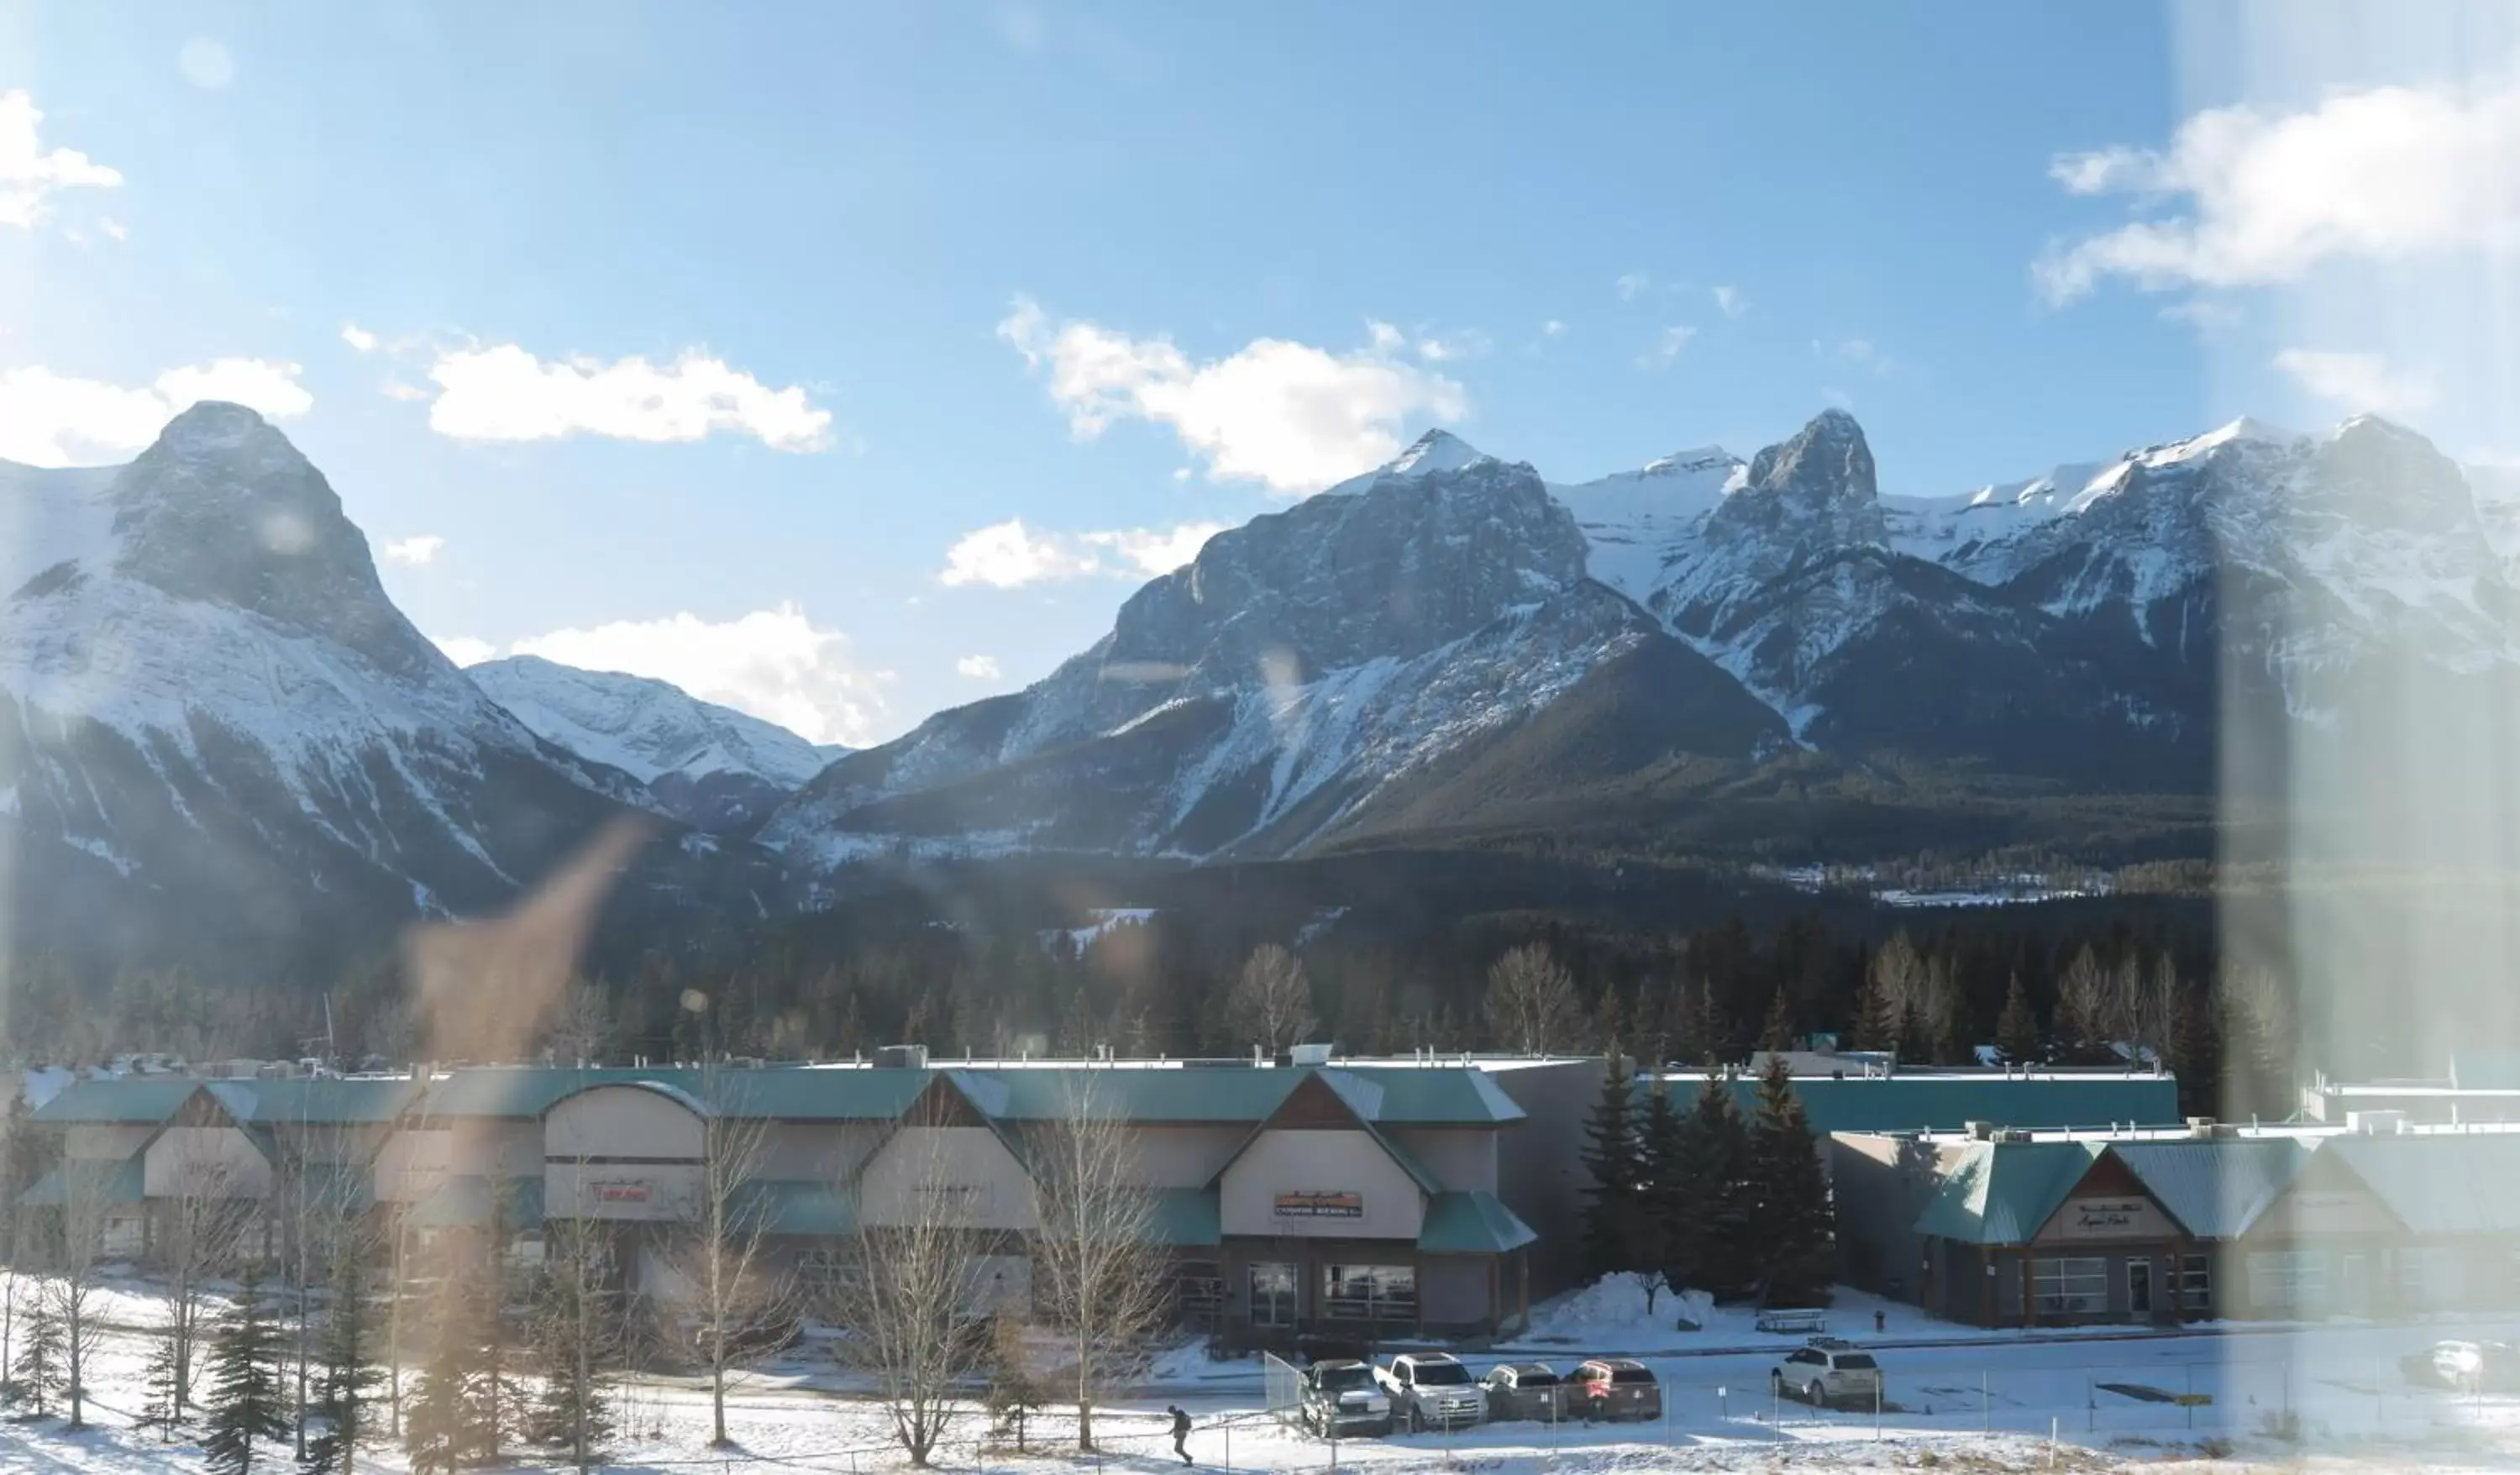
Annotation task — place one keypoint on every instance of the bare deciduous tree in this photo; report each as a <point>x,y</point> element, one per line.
<point>1271,1004</point>
<point>910,1299</point>
<point>732,1284</point>
<point>1102,1278</point>
<point>203,1220</point>
<point>79,1252</point>
<point>580,1032</point>
<point>1531,1004</point>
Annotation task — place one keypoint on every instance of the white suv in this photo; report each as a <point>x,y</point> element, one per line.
<point>1829,1372</point>
<point>1432,1390</point>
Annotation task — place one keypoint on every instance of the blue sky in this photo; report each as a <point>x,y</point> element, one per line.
<point>697,339</point>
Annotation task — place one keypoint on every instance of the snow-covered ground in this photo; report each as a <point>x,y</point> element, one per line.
<point>1957,1399</point>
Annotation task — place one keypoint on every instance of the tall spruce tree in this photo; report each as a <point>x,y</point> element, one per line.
<point>1614,1220</point>
<point>349,1381</point>
<point>1710,1240</point>
<point>247,1402</point>
<point>1778,1033</point>
<point>2196,1053</point>
<point>43,1355</point>
<point>1663,1194</point>
<point>448,1419</point>
<point>1794,1227</point>
<point>2016,1029</point>
<point>576,1332</point>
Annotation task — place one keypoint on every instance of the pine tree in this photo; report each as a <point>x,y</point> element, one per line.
<point>2016,1029</point>
<point>2196,1053</point>
<point>448,1418</point>
<point>1614,1220</point>
<point>161,1403</point>
<point>1013,1394</point>
<point>1777,1034</point>
<point>349,1379</point>
<point>1876,1017</point>
<point>1709,1239</point>
<point>577,1337</point>
<point>246,1402</point>
<point>43,1355</point>
<point>1663,1194</point>
<point>1794,1225</point>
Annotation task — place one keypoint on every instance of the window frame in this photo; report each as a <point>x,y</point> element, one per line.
<point>2050,1275</point>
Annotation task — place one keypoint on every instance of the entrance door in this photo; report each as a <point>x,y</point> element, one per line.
<point>2139,1287</point>
<point>2353,1285</point>
<point>1272,1295</point>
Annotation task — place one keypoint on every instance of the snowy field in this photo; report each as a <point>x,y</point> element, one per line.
<point>1957,1399</point>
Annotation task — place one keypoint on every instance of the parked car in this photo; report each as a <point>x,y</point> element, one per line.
<point>1341,1400</point>
<point>1431,1389</point>
<point>1829,1372</point>
<point>1615,1388</point>
<point>2467,1366</point>
<point>1525,1390</point>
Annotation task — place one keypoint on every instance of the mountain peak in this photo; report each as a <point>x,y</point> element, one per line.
<point>1435,451</point>
<point>1826,461</point>
<point>214,425</point>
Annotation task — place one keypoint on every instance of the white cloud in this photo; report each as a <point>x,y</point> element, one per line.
<point>1468,343</point>
<point>977,667</point>
<point>359,338</point>
<point>1384,337</point>
<point>2382,174</point>
<point>114,229</point>
<point>2361,382</point>
<point>2204,314</point>
<point>30,175</point>
<point>1551,329</point>
<point>418,550</point>
<point>1294,416</point>
<point>465,650</point>
<point>772,664</point>
<point>1631,283</point>
<point>1859,353</point>
<point>1666,349</point>
<point>1730,301</point>
<point>49,419</point>
<point>1009,554</point>
<point>206,63</point>
<point>502,392</point>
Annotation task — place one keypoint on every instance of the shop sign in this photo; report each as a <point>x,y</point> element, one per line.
<point>1318,1203</point>
<point>2109,1218</point>
<point>620,1192</point>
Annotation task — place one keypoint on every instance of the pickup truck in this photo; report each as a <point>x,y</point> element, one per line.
<point>1431,1389</point>
<point>1341,1400</point>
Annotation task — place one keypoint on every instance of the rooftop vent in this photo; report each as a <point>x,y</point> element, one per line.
<point>2200,1126</point>
<point>901,1058</point>
<point>1980,1132</point>
<point>1309,1054</point>
<point>2010,1134</point>
<point>2376,1123</point>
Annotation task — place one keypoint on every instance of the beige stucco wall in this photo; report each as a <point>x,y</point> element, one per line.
<point>1464,1158</point>
<point>413,1163</point>
<point>1320,1162</point>
<point>218,1161</point>
<point>817,1151</point>
<point>990,1189</point>
<point>621,1121</point>
<point>636,1192</point>
<point>497,1147</point>
<point>1185,1157</point>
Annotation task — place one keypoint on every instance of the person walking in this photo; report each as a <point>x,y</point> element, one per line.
<point>1181,1432</point>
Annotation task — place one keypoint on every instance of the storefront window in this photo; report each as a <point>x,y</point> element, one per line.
<point>2071,1288</point>
<point>1272,1295</point>
<point>2426,1275</point>
<point>2285,1277</point>
<point>2196,1282</point>
<point>1369,1292</point>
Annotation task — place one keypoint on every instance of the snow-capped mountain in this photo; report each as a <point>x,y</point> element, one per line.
<point>710,766</point>
<point>217,732</point>
<point>1317,673</point>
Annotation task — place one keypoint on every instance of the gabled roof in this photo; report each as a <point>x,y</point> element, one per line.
<point>2003,1192</point>
<point>778,1093</point>
<point>1477,1222</point>
<point>1347,1093</point>
<point>133,1100</point>
<point>2215,1190</point>
<point>2454,1182</point>
<point>116,1183</point>
<point>150,1100</point>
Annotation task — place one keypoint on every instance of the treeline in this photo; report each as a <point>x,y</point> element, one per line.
<point>2064,984</point>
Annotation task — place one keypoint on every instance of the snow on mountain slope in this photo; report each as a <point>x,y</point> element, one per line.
<point>1260,698</point>
<point>217,729</point>
<point>1635,520</point>
<point>712,765</point>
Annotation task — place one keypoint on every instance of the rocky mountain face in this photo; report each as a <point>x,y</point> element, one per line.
<point>710,766</point>
<point>1309,675</point>
<point>1450,646</point>
<point>219,738</point>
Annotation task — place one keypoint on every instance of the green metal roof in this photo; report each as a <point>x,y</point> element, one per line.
<point>463,1202</point>
<point>2215,1190</point>
<point>2448,1182</point>
<point>1189,1218</point>
<point>2003,1192</point>
<point>119,1183</point>
<point>1477,1222</point>
<point>1948,1103</point>
<point>129,1101</point>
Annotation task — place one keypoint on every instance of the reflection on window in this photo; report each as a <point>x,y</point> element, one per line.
<point>1369,1292</point>
<point>2071,1288</point>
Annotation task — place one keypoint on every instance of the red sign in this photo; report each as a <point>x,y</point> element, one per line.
<point>1319,1205</point>
<point>620,1192</point>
